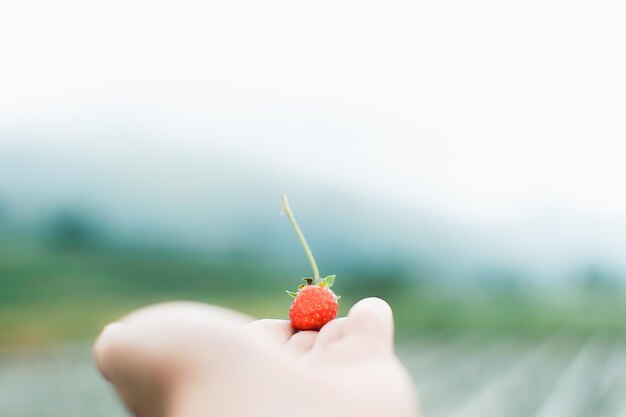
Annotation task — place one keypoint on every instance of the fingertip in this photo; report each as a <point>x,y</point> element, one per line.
<point>372,305</point>
<point>103,347</point>
<point>372,318</point>
<point>301,342</point>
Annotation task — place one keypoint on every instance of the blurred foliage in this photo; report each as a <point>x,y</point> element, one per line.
<point>381,280</point>
<point>515,314</point>
<point>70,229</point>
<point>3,213</point>
<point>597,279</point>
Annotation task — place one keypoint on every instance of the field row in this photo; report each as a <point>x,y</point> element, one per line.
<point>553,378</point>
<point>455,377</point>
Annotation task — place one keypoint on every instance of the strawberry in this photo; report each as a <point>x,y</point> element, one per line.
<point>314,304</point>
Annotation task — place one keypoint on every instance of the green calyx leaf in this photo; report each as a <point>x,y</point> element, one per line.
<point>328,281</point>
<point>291,293</point>
<point>301,286</point>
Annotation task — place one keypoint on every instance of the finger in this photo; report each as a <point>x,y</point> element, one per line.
<point>173,330</point>
<point>152,349</point>
<point>102,349</point>
<point>372,319</point>
<point>124,352</point>
<point>331,332</point>
<point>274,332</point>
<point>301,342</point>
<point>131,370</point>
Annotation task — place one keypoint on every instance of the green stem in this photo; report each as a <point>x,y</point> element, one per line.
<point>305,246</point>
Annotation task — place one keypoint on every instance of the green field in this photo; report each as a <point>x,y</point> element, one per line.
<point>53,295</point>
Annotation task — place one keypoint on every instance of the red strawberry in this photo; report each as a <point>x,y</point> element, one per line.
<point>314,304</point>
<point>313,307</point>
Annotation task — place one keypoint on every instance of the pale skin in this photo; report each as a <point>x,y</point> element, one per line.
<point>195,360</point>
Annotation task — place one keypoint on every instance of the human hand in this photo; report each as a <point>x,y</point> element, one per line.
<point>190,360</point>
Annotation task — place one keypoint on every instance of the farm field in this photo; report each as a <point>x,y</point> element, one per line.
<point>488,352</point>
<point>456,377</point>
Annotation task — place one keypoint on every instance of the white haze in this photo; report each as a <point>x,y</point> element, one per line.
<point>507,117</point>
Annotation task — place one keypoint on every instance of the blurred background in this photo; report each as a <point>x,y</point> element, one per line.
<point>462,160</point>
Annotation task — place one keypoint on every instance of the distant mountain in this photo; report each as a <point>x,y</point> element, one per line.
<point>213,203</point>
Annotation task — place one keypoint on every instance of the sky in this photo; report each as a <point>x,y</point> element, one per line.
<point>483,111</point>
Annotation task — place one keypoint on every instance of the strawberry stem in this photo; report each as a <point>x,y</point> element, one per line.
<point>305,246</point>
